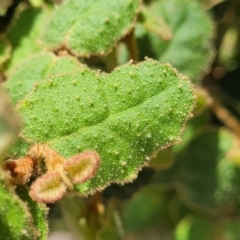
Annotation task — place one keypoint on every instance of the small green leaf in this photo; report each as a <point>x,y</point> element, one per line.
<point>124,116</point>
<point>39,213</point>
<point>37,3</point>
<point>89,27</point>
<point>18,149</point>
<point>24,33</point>
<point>163,160</point>
<point>16,222</point>
<point>35,69</point>
<point>190,48</point>
<point>191,227</point>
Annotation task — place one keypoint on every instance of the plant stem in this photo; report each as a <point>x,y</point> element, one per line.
<point>131,44</point>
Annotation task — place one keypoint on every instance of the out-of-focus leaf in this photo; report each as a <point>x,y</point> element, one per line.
<point>39,213</point>
<point>37,68</point>
<point>122,53</point>
<point>228,49</point>
<point>192,227</point>
<point>24,33</point>
<point>16,222</point>
<point>37,3</point>
<point>18,149</point>
<point>203,101</point>
<point>147,209</point>
<point>205,173</point>
<point>124,123</point>
<point>194,126</point>
<point>164,159</point>
<point>230,229</point>
<point>190,49</point>
<point>72,208</point>
<point>177,209</point>
<point>90,27</point>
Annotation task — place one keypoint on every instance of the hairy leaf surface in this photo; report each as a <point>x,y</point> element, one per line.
<point>125,116</point>
<point>35,69</point>
<point>15,219</point>
<point>90,27</point>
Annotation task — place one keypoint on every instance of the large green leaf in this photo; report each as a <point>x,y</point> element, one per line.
<point>90,27</point>
<point>188,46</point>
<point>16,222</point>
<point>125,116</point>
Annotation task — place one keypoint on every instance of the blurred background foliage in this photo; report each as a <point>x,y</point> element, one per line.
<point>188,191</point>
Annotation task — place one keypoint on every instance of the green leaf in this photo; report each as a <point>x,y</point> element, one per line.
<point>194,126</point>
<point>191,227</point>
<point>5,49</point>
<point>89,27</point>
<point>16,222</point>
<point>190,49</point>
<point>204,173</point>
<point>18,148</point>
<point>231,229</point>
<point>125,116</point>
<point>163,160</point>
<point>154,213</point>
<point>37,3</point>
<point>39,213</point>
<point>35,69</point>
<point>24,33</point>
